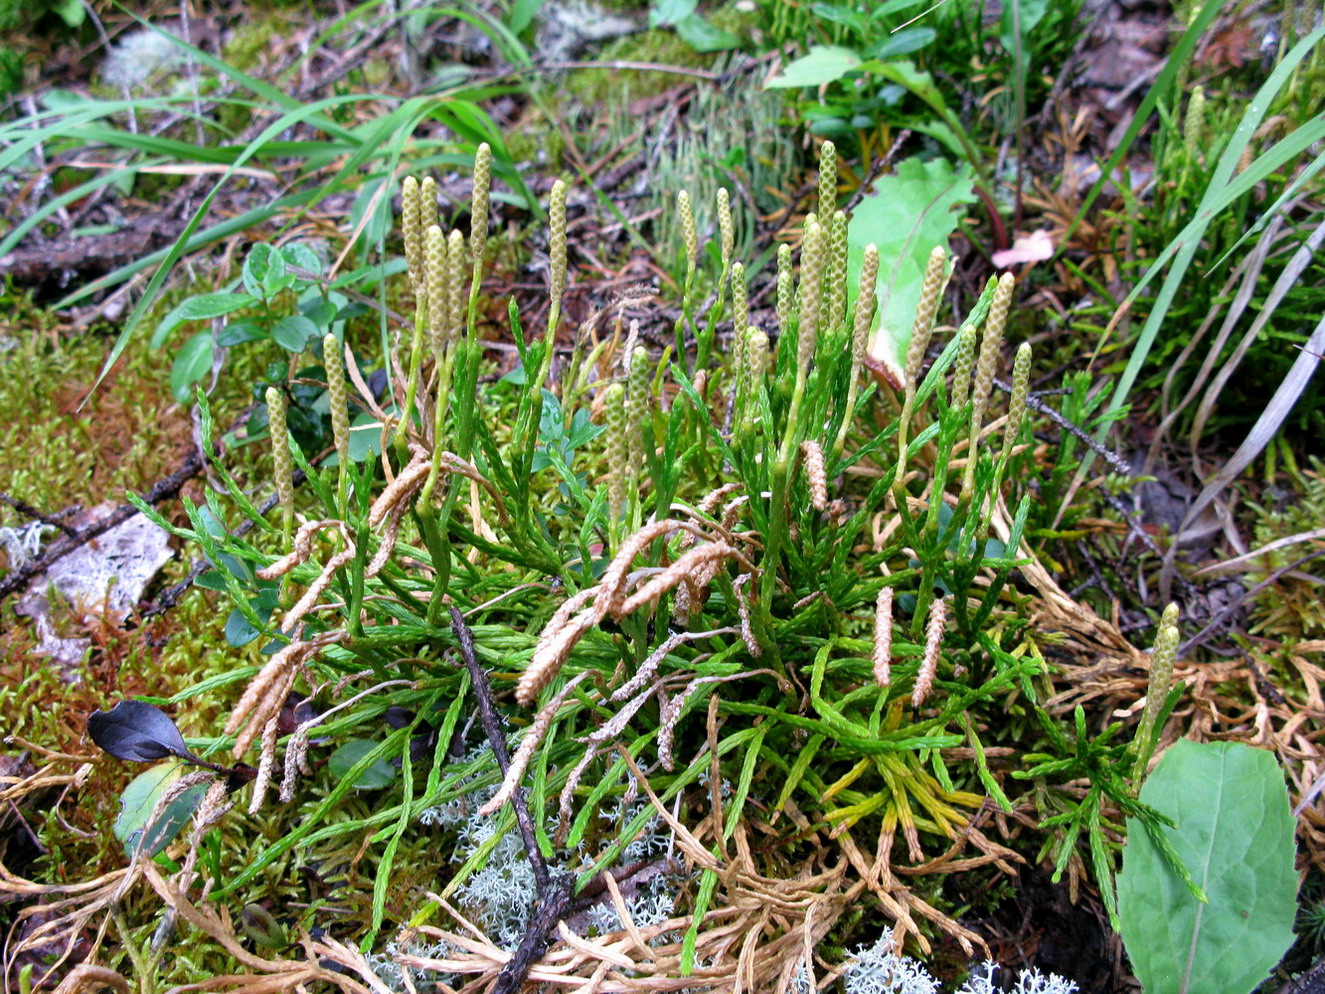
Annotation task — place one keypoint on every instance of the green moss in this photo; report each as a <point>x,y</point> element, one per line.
<point>251,39</point>
<point>618,87</point>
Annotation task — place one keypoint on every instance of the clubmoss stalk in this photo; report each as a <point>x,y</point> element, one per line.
<point>526,430</point>
<point>1021,380</point>
<point>618,457</point>
<point>456,257</point>
<point>931,292</point>
<point>726,232</point>
<point>827,179</point>
<point>690,236</point>
<point>962,364</point>
<point>446,275</point>
<point>985,367</point>
<point>427,203</point>
<point>282,461</point>
<point>340,413</point>
<point>811,299</point>
<point>785,289</point>
<point>434,315</point>
<point>866,299</point>
<point>835,274</point>
<point>412,231</point>
<point>1162,658</point>
<point>478,227</point>
<point>424,317</point>
<point>812,266</point>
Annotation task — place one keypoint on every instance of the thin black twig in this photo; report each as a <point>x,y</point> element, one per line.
<point>555,893</point>
<point>1219,619</point>
<point>27,510</point>
<point>1117,462</point>
<point>487,713</point>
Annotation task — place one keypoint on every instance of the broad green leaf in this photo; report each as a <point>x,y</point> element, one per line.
<point>379,774</point>
<point>293,332</point>
<point>902,43</point>
<point>823,64</point>
<point>702,36</point>
<point>905,217</point>
<point>208,305</point>
<point>239,332</point>
<point>192,362</point>
<point>665,13</point>
<point>299,254</point>
<point>1235,836</point>
<point>256,265</point>
<point>365,437</point>
<point>522,13</point>
<point>135,826</point>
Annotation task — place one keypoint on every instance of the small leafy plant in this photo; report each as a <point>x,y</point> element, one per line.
<point>766,588</point>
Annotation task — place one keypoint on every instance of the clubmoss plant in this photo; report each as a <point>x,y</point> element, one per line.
<point>791,597</point>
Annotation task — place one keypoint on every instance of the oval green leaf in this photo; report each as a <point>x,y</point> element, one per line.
<point>136,827</point>
<point>292,333</point>
<point>379,774</point>
<point>823,64</point>
<point>1235,836</point>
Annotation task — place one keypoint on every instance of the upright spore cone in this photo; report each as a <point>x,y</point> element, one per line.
<point>740,309</point>
<point>1162,659</point>
<point>812,267</point>
<point>990,345</point>
<point>835,273</point>
<point>785,289</point>
<point>455,285</point>
<point>726,228</point>
<point>435,296</point>
<point>412,231</point>
<point>618,454</point>
<point>478,225</point>
<point>827,179</point>
<point>557,244</point>
<point>427,203</point>
<point>930,292</point>
<point>338,396</point>
<point>757,352</point>
<point>962,364</point>
<point>637,405</point>
<point>689,233</point>
<point>865,301</point>
<point>282,462</point>
<point>1021,379</point>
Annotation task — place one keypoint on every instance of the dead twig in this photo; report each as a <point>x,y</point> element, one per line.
<point>555,899</point>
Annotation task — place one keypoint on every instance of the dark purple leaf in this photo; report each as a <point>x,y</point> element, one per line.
<point>137,732</point>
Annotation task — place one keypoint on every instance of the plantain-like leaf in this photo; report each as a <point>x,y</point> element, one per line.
<point>1235,835</point>
<point>137,732</point>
